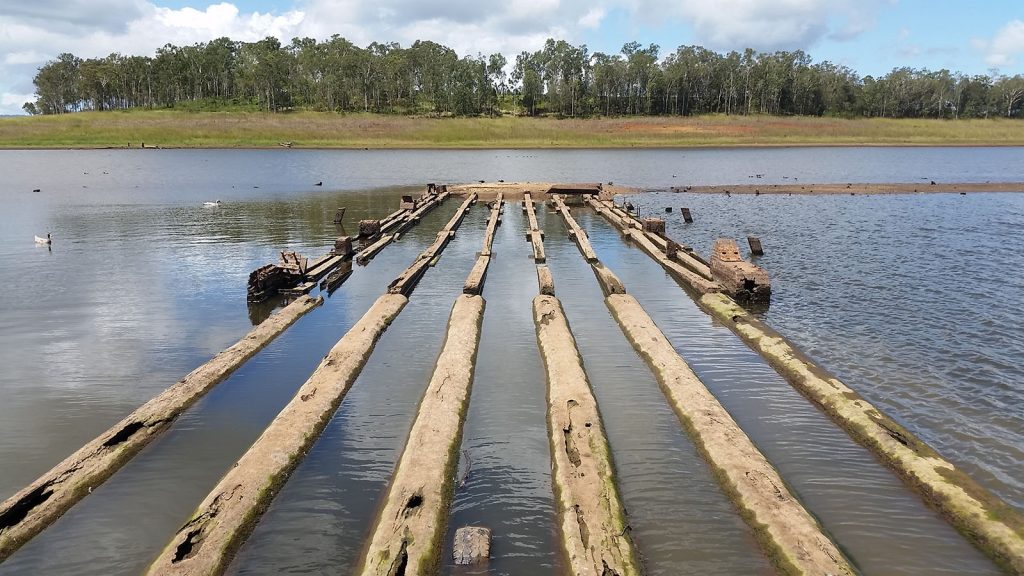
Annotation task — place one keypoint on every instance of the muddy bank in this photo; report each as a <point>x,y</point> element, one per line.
<point>539,190</point>
<point>925,186</point>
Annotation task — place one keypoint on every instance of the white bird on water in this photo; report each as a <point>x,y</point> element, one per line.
<point>212,204</point>
<point>44,241</point>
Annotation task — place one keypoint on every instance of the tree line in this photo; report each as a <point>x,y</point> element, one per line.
<point>559,79</point>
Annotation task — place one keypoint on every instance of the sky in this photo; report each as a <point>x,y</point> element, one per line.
<point>870,36</point>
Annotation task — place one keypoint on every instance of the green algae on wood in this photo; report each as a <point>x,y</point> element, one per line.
<point>985,519</point>
<point>790,536</point>
<point>590,514</point>
<point>409,529</point>
<point>39,504</point>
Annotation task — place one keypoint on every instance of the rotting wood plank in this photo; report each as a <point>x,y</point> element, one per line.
<point>323,267</point>
<point>982,517</point>
<point>464,209</point>
<point>36,506</point>
<point>685,276</point>
<point>531,214</point>
<point>475,281</point>
<point>591,519</point>
<point>537,243</point>
<point>545,282</point>
<point>410,528</point>
<point>632,227</point>
<point>492,225</point>
<point>789,535</point>
<point>367,254</point>
<point>575,232</point>
<point>407,280</point>
<point>224,519</point>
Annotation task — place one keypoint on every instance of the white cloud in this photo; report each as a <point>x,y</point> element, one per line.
<point>1004,48</point>
<point>765,24</point>
<point>12,102</point>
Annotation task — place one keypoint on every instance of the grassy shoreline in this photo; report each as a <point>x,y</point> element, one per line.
<point>175,129</point>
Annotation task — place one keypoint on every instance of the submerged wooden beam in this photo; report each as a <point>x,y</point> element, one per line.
<point>475,281</point>
<point>224,519</point>
<point>632,227</point>
<point>575,232</point>
<point>35,507</point>
<point>686,276</point>
<point>590,514</point>
<point>789,535</point>
<point>409,531</point>
<point>492,225</point>
<point>985,519</point>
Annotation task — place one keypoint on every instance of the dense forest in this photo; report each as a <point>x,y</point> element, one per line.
<point>560,79</point>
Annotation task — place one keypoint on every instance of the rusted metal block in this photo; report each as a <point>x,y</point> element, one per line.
<point>687,217</point>
<point>654,226</point>
<point>472,545</point>
<point>745,282</point>
<point>339,214</point>
<point>369,228</point>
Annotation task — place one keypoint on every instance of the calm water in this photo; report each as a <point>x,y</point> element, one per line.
<point>908,298</point>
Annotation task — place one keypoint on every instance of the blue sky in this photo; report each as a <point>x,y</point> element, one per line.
<point>870,36</point>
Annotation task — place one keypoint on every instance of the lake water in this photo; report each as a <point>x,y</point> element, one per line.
<point>909,299</point>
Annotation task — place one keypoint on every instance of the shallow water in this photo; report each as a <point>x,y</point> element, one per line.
<point>143,284</point>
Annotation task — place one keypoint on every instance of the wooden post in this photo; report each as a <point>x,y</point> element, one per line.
<point>755,246</point>
<point>687,217</point>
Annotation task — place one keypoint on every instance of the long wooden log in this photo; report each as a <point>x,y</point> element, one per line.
<point>207,542</point>
<point>492,225</point>
<point>984,518</point>
<point>789,535</point>
<point>40,503</point>
<point>575,232</point>
<point>590,514</point>
<point>410,529</point>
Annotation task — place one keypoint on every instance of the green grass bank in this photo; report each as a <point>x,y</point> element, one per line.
<point>236,129</point>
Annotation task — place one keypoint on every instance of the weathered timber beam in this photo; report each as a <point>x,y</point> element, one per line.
<point>410,529</point>
<point>982,517</point>
<point>591,518</point>
<point>685,276</point>
<point>475,281</point>
<point>224,519</point>
<point>575,232</point>
<point>492,225</point>
<point>789,535</point>
<point>35,507</point>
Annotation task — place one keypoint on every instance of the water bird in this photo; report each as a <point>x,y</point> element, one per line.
<point>212,204</point>
<point>36,190</point>
<point>44,241</point>
<point>933,183</point>
<point>319,184</point>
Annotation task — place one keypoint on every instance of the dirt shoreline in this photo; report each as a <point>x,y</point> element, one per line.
<point>515,190</point>
<point>923,187</point>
